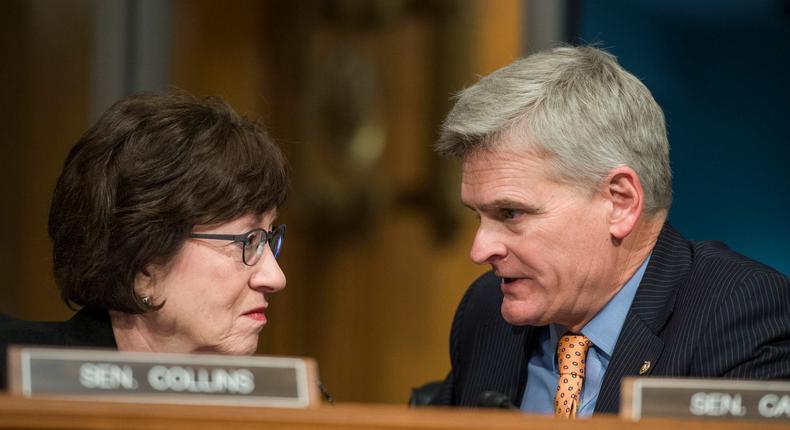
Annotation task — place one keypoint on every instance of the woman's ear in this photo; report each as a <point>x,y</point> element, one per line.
<point>144,283</point>
<point>624,191</point>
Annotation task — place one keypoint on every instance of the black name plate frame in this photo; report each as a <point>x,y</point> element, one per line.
<point>108,375</point>
<point>728,399</point>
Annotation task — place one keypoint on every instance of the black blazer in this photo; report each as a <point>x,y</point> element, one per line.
<point>85,329</point>
<point>701,310</point>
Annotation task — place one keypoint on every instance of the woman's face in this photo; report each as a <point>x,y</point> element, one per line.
<point>213,302</point>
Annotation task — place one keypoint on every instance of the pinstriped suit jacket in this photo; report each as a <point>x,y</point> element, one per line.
<point>701,310</point>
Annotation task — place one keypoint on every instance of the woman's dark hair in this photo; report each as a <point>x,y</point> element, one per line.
<point>139,180</point>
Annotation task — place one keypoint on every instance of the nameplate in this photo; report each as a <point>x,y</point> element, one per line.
<point>92,374</point>
<point>705,398</point>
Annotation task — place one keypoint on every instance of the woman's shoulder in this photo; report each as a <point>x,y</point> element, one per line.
<point>19,332</point>
<point>86,328</point>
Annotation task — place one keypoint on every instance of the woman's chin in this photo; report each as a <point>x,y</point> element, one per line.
<point>246,346</point>
<point>244,349</point>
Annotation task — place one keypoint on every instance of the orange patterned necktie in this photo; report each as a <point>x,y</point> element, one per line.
<point>571,352</point>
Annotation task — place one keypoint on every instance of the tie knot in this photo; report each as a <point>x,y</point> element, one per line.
<point>571,354</point>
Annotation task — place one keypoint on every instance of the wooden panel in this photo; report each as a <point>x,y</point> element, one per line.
<point>371,291</point>
<point>498,34</point>
<point>13,74</point>
<point>16,413</point>
<point>51,113</point>
<point>216,50</point>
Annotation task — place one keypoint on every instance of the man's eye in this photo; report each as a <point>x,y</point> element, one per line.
<point>507,213</point>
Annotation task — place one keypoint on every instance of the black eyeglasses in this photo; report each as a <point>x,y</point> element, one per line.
<point>252,241</point>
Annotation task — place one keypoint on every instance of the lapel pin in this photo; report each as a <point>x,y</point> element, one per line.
<point>645,367</point>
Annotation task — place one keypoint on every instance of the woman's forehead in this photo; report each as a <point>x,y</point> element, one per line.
<point>242,224</point>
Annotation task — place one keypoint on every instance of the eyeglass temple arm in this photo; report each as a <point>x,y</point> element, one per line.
<point>233,237</point>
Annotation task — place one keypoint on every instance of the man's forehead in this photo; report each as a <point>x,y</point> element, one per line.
<point>506,160</point>
<point>486,180</point>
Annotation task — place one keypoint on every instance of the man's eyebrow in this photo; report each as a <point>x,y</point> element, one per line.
<point>505,204</point>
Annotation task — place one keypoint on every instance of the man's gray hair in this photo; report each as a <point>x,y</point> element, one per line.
<point>576,106</point>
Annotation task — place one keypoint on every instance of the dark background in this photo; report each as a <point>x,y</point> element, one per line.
<point>720,71</point>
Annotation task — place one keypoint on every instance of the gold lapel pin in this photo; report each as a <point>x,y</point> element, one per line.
<point>645,367</point>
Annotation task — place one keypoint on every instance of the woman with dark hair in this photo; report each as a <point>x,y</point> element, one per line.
<point>163,230</point>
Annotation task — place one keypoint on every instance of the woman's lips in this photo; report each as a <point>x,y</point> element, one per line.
<point>256,314</point>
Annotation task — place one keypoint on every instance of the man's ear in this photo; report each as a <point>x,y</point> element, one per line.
<point>624,191</point>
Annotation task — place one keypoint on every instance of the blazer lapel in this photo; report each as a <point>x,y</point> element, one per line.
<point>639,343</point>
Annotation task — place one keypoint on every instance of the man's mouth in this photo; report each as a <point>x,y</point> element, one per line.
<point>510,277</point>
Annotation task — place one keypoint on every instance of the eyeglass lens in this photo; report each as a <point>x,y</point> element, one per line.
<point>253,246</point>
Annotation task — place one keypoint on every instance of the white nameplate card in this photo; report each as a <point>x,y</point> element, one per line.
<point>94,374</point>
<point>705,398</point>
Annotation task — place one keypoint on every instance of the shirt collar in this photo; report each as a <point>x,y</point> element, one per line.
<point>604,329</point>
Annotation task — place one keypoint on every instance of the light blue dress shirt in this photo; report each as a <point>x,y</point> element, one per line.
<point>602,330</point>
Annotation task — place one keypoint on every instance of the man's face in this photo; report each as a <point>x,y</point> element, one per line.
<point>548,242</point>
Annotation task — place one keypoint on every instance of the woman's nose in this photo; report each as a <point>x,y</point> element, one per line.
<point>267,274</point>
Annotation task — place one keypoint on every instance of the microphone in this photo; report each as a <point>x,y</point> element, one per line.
<point>495,399</point>
<point>325,393</point>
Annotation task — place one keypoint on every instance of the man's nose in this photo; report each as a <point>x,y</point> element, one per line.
<point>487,246</point>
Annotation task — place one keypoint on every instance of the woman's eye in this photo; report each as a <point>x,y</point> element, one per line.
<point>252,241</point>
<point>244,243</point>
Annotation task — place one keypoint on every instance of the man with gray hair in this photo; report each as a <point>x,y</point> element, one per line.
<point>565,162</point>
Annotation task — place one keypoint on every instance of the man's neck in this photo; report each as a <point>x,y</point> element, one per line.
<point>636,247</point>
<point>630,253</point>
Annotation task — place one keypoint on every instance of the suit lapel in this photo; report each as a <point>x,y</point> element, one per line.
<point>639,342</point>
<point>627,360</point>
<point>528,345</point>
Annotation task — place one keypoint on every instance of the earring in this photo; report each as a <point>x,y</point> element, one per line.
<point>146,300</point>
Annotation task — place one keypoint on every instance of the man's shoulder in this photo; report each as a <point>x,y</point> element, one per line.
<point>479,308</point>
<point>480,312</point>
<point>706,280</point>
<point>715,262</point>
<point>730,317</point>
<point>704,263</point>
<point>483,296</point>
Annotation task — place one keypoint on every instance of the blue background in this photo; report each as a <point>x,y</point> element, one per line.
<point>721,71</point>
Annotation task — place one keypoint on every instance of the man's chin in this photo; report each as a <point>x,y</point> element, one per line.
<point>519,314</point>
